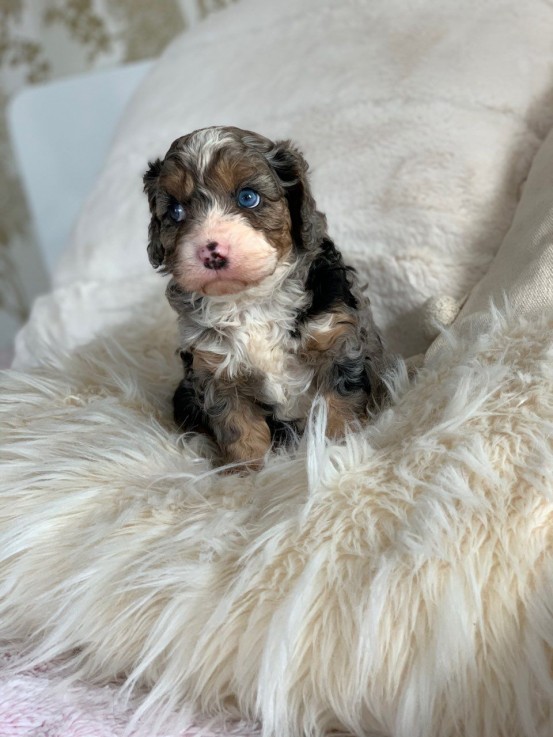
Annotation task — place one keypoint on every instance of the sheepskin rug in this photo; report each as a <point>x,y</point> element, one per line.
<point>397,583</point>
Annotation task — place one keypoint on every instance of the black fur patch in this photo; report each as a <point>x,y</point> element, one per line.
<point>187,411</point>
<point>150,177</point>
<point>329,281</point>
<point>285,165</point>
<point>187,406</point>
<point>282,433</point>
<point>350,375</point>
<point>294,197</point>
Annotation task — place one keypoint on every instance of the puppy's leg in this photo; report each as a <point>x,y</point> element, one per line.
<point>236,420</point>
<point>336,346</point>
<point>345,387</point>
<point>239,426</point>
<point>188,409</point>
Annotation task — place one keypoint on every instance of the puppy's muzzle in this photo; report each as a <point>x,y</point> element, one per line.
<point>214,255</point>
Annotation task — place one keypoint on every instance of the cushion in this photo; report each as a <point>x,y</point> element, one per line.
<point>419,120</point>
<point>520,278</point>
<point>397,582</point>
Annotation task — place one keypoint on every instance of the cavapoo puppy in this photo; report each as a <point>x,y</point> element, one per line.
<point>269,314</point>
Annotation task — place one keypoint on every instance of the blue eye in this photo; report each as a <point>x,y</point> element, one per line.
<point>176,212</point>
<point>248,198</point>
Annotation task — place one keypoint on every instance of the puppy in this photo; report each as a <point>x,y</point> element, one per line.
<point>269,314</point>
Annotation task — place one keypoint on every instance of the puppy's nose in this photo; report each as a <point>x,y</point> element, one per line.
<point>214,255</point>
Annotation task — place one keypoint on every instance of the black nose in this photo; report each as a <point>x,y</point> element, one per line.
<point>214,255</point>
<point>216,262</point>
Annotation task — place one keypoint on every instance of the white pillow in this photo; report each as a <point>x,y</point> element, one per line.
<point>419,119</point>
<point>520,278</point>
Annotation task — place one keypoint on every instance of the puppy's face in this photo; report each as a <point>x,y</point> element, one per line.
<point>228,206</point>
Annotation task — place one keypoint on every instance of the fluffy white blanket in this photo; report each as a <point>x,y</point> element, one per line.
<point>398,583</point>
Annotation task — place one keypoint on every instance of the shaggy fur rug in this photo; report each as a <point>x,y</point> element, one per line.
<point>399,582</point>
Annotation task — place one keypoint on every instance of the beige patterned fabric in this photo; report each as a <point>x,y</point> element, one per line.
<point>41,40</point>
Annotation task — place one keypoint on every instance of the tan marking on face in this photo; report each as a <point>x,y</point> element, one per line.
<point>342,412</point>
<point>254,438</point>
<point>230,172</point>
<point>281,237</point>
<point>330,331</point>
<point>176,180</point>
<point>250,257</point>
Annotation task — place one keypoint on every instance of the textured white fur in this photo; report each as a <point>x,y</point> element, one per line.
<point>400,582</point>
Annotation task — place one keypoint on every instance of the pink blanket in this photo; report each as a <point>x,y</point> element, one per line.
<point>38,704</point>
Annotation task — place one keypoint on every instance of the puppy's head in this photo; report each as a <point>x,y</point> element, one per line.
<point>228,206</point>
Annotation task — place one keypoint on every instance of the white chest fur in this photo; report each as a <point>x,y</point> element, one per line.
<point>253,336</point>
<point>267,346</point>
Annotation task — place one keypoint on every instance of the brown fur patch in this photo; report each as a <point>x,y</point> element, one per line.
<point>176,180</point>
<point>324,339</point>
<point>249,437</point>
<point>228,172</point>
<point>281,238</point>
<point>206,361</point>
<point>343,411</point>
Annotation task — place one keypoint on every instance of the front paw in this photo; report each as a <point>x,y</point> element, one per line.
<point>343,412</point>
<point>188,412</point>
<point>241,469</point>
<point>244,440</point>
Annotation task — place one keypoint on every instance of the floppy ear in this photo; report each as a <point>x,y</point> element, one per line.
<point>156,252</point>
<point>308,224</point>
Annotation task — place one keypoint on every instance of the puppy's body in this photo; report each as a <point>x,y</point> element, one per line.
<point>269,315</point>
<point>251,338</point>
